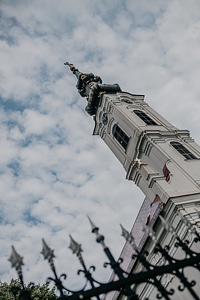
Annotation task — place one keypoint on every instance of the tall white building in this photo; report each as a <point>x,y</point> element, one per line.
<point>161,159</point>
<point>164,162</point>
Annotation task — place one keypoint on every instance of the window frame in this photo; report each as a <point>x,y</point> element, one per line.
<point>187,154</point>
<point>144,117</point>
<point>120,136</point>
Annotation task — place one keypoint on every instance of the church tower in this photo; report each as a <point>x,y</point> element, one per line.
<point>162,160</point>
<point>165,164</point>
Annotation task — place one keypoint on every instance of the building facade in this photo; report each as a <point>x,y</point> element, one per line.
<point>164,162</point>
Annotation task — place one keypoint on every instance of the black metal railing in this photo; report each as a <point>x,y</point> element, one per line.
<point>126,284</point>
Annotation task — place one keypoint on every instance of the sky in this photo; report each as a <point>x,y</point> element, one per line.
<point>53,171</point>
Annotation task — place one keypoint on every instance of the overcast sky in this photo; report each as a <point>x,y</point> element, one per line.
<point>53,172</point>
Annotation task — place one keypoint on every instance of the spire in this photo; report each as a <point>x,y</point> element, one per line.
<point>90,86</point>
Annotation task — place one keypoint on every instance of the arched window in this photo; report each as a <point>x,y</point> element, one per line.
<point>120,136</point>
<point>184,151</point>
<point>144,117</point>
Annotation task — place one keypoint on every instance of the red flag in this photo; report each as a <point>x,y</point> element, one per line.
<point>166,173</point>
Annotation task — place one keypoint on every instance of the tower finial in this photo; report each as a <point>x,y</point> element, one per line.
<point>91,87</point>
<point>71,66</point>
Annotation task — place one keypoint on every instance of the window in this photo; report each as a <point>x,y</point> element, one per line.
<point>181,149</point>
<point>120,136</point>
<point>145,117</point>
<point>127,101</point>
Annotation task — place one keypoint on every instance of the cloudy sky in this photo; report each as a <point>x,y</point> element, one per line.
<point>53,172</point>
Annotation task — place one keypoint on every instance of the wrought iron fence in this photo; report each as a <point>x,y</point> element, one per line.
<point>125,283</point>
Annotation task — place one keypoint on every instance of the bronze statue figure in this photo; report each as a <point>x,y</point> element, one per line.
<point>91,87</point>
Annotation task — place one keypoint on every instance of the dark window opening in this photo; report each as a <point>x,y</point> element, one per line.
<point>184,151</point>
<point>120,136</point>
<point>127,101</point>
<point>145,117</point>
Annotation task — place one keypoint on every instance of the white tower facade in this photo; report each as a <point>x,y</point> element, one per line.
<point>161,159</point>
<point>164,162</point>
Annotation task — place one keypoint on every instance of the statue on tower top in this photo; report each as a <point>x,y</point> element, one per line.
<point>91,87</point>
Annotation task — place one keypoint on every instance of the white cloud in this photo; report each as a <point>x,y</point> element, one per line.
<point>53,171</point>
